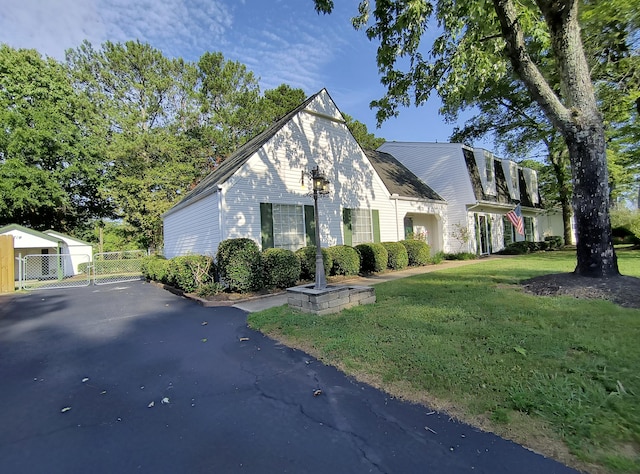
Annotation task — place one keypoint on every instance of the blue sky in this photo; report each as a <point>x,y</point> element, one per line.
<point>281,41</point>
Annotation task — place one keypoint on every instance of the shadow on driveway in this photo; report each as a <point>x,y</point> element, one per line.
<point>130,378</point>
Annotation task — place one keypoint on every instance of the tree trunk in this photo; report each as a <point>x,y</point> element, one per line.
<point>595,253</point>
<point>575,114</point>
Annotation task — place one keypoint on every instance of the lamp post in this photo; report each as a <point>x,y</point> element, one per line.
<point>320,186</point>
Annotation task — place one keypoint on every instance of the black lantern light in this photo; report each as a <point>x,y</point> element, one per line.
<point>320,186</point>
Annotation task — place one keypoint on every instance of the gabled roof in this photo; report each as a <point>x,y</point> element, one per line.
<point>398,179</point>
<point>35,233</point>
<point>65,237</point>
<point>229,166</point>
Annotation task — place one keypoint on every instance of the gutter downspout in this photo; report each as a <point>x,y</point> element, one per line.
<point>220,220</point>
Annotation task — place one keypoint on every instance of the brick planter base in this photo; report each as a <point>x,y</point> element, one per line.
<point>332,299</point>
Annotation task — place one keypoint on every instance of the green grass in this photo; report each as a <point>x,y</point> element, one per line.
<point>540,369</point>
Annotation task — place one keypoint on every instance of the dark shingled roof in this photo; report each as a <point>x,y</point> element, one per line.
<point>229,166</point>
<point>398,179</point>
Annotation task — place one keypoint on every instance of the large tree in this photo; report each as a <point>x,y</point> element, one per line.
<point>479,41</point>
<point>51,172</point>
<point>520,129</point>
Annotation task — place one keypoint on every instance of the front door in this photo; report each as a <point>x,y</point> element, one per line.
<point>483,234</point>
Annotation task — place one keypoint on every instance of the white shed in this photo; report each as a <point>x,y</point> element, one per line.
<point>28,242</point>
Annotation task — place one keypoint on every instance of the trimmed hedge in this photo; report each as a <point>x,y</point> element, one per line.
<point>155,268</point>
<point>374,257</point>
<point>281,268</point>
<point>519,248</point>
<point>460,256</point>
<point>345,260</point>
<point>418,252</point>
<point>240,265</point>
<point>397,258</point>
<point>307,256</point>
<point>189,272</point>
<point>554,242</point>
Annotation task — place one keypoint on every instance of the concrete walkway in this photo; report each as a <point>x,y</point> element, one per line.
<point>265,302</point>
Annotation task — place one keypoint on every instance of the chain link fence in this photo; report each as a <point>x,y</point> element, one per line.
<point>116,267</point>
<point>54,271</point>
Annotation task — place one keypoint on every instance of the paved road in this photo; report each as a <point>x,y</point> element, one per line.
<point>130,378</point>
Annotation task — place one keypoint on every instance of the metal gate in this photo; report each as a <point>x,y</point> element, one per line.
<point>116,267</point>
<point>53,271</point>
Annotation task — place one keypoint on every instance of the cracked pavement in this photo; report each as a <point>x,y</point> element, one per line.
<point>131,378</point>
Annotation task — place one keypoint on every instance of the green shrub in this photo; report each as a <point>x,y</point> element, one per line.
<point>345,260</point>
<point>281,268</point>
<point>397,257</point>
<point>437,258</point>
<point>418,252</point>
<point>629,220</point>
<point>554,242</point>
<point>240,265</point>
<point>210,289</point>
<point>83,267</point>
<point>520,248</point>
<point>307,256</point>
<point>460,256</point>
<point>373,257</point>
<point>155,268</point>
<point>189,272</point>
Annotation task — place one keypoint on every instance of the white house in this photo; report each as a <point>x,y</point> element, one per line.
<point>29,243</point>
<point>479,188</point>
<point>263,191</point>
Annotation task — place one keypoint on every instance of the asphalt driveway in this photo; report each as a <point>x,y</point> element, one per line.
<point>130,378</point>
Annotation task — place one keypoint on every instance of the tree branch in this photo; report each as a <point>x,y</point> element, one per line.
<point>524,66</point>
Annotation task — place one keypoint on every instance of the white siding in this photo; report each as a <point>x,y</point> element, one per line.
<point>80,252</point>
<point>442,167</point>
<point>275,174</point>
<point>24,240</point>
<point>193,229</point>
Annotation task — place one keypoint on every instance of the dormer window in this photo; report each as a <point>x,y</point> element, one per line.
<point>485,163</point>
<point>510,169</point>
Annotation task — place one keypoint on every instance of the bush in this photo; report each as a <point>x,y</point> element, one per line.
<point>554,242</point>
<point>418,252</point>
<point>460,256</point>
<point>307,256</point>
<point>373,257</point>
<point>189,272</point>
<point>281,268</point>
<point>437,258</point>
<point>155,268</point>
<point>345,260</point>
<point>240,265</point>
<point>625,225</point>
<point>397,257</point>
<point>520,248</point>
<point>210,289</point>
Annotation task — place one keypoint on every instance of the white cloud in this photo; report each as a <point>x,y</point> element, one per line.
<point>49,26</point>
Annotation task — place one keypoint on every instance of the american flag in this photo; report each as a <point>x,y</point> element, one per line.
<point>515,217</point>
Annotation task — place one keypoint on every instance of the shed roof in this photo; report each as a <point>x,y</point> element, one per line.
<point>17,227</point>
<point>398,179</point>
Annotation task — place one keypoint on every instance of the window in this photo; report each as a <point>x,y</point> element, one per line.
<point>288,227</point>
<point>509,232</point>
<point>361,225</point>
<point>528,229</point>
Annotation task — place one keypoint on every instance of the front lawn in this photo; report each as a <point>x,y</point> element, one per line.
<point>557,374</point>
